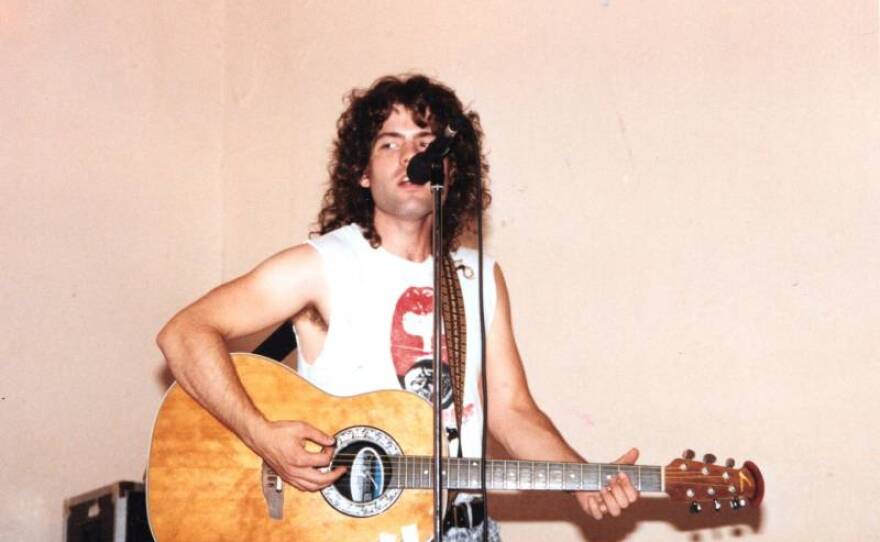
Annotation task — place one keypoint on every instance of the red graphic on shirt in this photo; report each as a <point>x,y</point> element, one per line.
<point>412,340</point>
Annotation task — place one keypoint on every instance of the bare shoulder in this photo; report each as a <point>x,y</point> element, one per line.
<point>291,266</point>
<point>290,279</point>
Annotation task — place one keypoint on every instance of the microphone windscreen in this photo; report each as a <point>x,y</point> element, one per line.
<point>419,169</point>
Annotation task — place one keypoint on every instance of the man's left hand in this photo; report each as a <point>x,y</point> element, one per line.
<point>616,496</point>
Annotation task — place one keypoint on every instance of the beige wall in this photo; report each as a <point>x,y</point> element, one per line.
<point>686,208</point>
<point>110,218</point>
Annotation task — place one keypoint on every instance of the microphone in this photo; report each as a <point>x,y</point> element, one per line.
<point>427,166</point>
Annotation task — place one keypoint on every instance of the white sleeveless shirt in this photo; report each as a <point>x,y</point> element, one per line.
<point>381,325</point>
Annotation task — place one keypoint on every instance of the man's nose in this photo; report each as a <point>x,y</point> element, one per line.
<point>409,150</point>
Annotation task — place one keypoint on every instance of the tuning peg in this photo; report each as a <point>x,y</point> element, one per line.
<point>734,504</point>
<point>716,505</point>
<point>696,508</point>
<point>742,503</point>
<point>730,462</point>
<point>688,454</point>
<point>709,459</point>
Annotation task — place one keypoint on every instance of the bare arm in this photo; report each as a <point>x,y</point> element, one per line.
<point>194,345</point>
<point>520,426</point>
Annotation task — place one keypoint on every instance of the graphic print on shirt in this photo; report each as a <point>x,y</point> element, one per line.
<point>412,334</point>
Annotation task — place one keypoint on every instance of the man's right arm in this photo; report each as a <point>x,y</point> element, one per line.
<point>194,345</point>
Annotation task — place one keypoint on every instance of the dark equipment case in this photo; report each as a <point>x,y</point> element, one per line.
<point>114,513</point>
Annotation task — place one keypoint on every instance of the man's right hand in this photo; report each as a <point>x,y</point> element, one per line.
<point>283,446</point>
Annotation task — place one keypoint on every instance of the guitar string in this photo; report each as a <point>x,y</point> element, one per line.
<point>458,463</point>
<point>463,460</point>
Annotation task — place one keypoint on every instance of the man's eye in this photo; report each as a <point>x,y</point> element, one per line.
<point>388,145</point>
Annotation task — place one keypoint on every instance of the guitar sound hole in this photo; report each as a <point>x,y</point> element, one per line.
<point>368,474</point>
<point>366,489</point>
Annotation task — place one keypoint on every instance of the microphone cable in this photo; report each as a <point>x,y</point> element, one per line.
<point>483,373</point>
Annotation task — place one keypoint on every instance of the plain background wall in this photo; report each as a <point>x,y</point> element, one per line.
<point>685,205</point>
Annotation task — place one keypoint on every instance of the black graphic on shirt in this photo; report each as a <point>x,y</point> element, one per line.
<point>412,339</point>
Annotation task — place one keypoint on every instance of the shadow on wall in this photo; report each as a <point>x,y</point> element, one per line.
<point>163,375</point>
<point>530,507</point>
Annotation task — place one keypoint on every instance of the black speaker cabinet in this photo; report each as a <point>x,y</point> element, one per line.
<point>115,513</point>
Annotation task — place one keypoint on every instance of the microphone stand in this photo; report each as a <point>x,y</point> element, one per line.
<point>427,166</point>
<point>436,178</point>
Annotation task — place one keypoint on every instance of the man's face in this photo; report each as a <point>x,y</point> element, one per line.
<point>398,140</point>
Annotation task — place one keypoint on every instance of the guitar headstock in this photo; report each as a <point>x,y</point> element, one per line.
<point>703,483</point>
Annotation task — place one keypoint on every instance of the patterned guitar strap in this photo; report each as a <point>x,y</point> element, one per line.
<point>452,309</point>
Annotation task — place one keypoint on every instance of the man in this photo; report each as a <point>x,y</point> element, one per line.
<point>361,299</point>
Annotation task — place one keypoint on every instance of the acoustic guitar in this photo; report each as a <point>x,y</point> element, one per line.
<point>204,484</point>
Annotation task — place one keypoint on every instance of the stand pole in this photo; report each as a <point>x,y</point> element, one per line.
<point>437,191</point>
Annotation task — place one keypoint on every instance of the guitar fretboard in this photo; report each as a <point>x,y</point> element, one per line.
<point>415,472</point>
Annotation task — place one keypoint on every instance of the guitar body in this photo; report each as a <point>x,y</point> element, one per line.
<point>204,484</point>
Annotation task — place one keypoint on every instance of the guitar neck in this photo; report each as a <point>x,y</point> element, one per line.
<point>415,472</point>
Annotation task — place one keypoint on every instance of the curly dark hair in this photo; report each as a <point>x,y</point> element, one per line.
<point>432,104</point>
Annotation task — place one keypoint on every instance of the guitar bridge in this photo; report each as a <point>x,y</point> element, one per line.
<point>273,491</point>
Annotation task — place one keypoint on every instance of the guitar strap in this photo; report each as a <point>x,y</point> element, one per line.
<point>452,309</point>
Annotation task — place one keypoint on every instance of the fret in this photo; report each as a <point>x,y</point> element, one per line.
<point>591,480</point>
<point>556,475</point>
<point>464,470</point>
<point>537,476</point>
<point>632,472</point>
<point>498,475</point>
<point>414,472</point>
<point>525,475</point>
<point>651,479</point>
<point>611,471</point>
<point>425,469</point>
<point>541,476</point>
<point>476,472</point>
<point>402,474</point>
<point>511,476</point>
<point>415,479</point>
<point>571,479</point>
